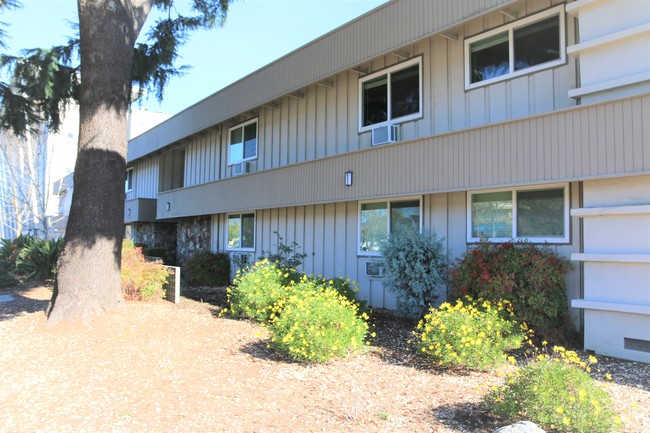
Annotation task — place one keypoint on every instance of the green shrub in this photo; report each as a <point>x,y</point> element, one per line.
<point>255,290</point>
<point>205,268</point>
<point>556,393</point>
<point>315,324</point>
<point>472,334</point>
<point>9,250</point>
<point>6,278</point>
<point>37,259</point>
<point>415,266</point>
<point>286,256</point>
<point>141,280</point>
<point>530,277</point>
<point>343,286</point>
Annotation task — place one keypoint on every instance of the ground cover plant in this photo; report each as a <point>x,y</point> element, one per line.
<point>556,392</point>
<point>415,268</point>
<point>141,279</point>
<point>473,334</point>
<point>28,258</point>
<point>530,276</point>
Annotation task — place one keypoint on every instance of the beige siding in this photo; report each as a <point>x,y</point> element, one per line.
<point>368,37</point>
<point>526,151</point>
<point>202,158</point>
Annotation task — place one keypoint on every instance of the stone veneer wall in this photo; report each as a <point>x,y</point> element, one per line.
<point>193,234</point>
<point>157,235</point>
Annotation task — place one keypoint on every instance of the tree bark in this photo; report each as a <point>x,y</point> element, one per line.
<point>88,276</point>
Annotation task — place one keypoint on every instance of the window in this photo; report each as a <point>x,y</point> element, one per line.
<point>523,46</point>
<point>242,142</point>
<point>241,231</point>
<point>128,184</point>
<point>539,215</point>
<point>393,94</point>
<point>378,219</point>
<point>172,170</point>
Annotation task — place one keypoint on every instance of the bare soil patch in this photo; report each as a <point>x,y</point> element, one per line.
<point>182,368</point>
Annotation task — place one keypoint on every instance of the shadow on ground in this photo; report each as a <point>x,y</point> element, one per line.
<point>20,305</point>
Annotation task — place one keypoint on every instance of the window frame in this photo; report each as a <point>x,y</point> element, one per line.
<point>388,202</point>
<point>128,183</point>
<point>388,71</point>
<point>257,140</point>
<point>241,215</point>
<point>510,28</point>
<point>536,239</point>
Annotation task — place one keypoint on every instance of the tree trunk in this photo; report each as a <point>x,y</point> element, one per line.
<point>88,276</point>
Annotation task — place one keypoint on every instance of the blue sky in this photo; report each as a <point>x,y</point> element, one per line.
<point>256,33</point>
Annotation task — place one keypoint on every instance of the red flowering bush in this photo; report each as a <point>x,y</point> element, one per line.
<point>141,280</point>
<point>530,277</point>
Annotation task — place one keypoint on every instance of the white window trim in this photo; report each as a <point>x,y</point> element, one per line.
<point>240,222</point>
<point>126,183</point>
<point>510,27</point>
<point>257,140</point>
<point>551,240</point>
<point>388,71</point>
<point>361,253</point>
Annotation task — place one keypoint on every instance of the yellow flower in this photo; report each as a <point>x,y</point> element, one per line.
<point>559,409</point>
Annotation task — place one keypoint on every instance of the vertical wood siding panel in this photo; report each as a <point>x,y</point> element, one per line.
<point>340,252</point>
<point>615,139</point>
<point>353,112</point>
<point>601,146</point>
<point>302,130</point>
<point>439,97</point>
<point>281,131</point>
<point>299,229</point>
<point>292,129</point>
<point>637,119</point>
<point>329,240</point>
<point>320,126</point>
<point>319,241</point>
<point>645,127</point>
<point>331,124</point>
<point>310,123</point>
<point>497,103</point>
<point>309,239</point>
<point>341,121</point>
<point>626,126</point>
<point>351,262</point>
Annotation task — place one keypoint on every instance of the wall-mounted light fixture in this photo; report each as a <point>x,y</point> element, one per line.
<point>348,178</point>
<point>128,211</point>
<point>168,206</point>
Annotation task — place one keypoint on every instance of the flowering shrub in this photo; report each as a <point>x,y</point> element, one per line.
<point>315,324</point>
<point>140,279</point>
<point>255,290</point>
<point>344,287</point>
<point>415,266</point>
<point>472,334</point>
<point>208,269</point>
<point>530,277</point>
<point>556,392</point>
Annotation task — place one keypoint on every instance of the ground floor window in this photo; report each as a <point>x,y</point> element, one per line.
<point>538,214</point>
<point>241,231</point>
<point>379,219</point>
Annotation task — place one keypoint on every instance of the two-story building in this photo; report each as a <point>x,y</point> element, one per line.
<point>525,119</point>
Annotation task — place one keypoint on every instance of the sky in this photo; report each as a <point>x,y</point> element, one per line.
<point>256,33</point>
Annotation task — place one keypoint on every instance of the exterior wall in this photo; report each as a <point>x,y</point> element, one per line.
<point>193,234</point>
<point>145,178</point>
<point>613,49</point>
<point>330,232</point>
<point>323,120</point>
<point>616,262</point>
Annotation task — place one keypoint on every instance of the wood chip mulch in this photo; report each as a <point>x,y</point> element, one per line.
<point>182,368</point>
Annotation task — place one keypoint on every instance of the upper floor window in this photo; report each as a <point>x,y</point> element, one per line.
<point>172,170</point>
<point>242,142</point>
<point>523,46</point>
<point>379,219</point>
<point>128,184</point>
<point>535,214</point>
<point>391,95</point>
<point>241,231</point>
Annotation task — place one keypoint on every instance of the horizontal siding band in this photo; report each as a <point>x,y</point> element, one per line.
<point>579,143</point>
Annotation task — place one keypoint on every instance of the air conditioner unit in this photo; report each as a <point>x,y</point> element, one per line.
<point>241,168</point>
<point>385,134</point>
<point>374,268</point>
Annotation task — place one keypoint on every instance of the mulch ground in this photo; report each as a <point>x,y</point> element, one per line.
<point>182,368</point>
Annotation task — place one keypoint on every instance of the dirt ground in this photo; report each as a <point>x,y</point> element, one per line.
<point>181,368</point>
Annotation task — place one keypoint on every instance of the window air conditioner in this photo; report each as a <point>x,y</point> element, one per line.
<point>385,134</point>
<point>241,168</point>
<point>374,268</point>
